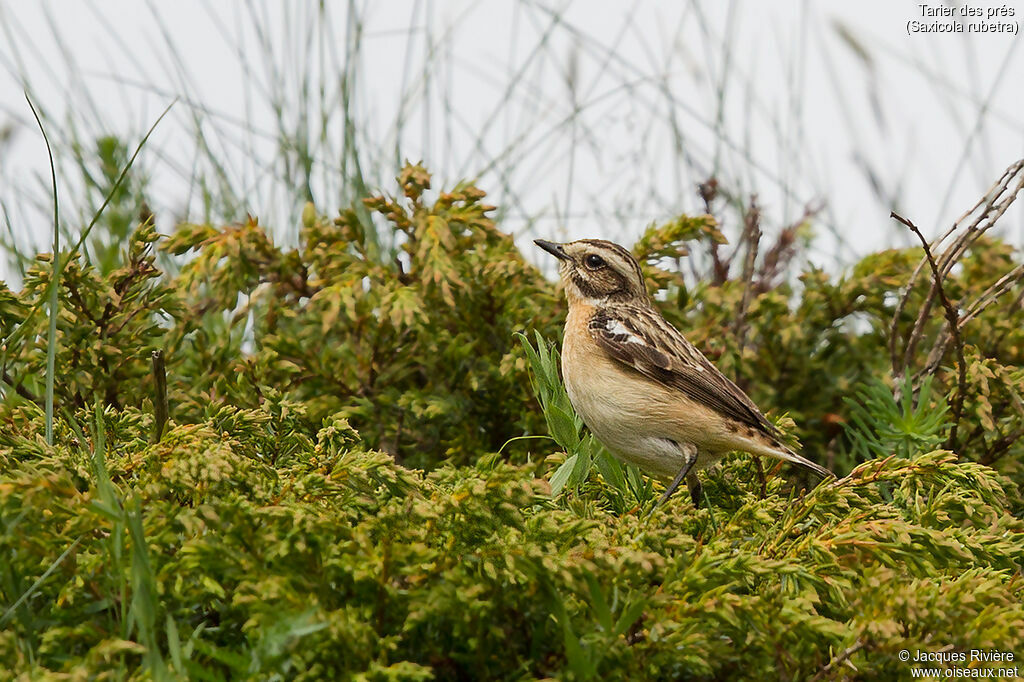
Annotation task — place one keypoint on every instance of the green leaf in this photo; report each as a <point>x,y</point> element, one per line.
<point>561,475</point>
<point>563,427</point>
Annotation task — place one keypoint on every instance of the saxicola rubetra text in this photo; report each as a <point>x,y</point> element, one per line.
<point>645,391</point>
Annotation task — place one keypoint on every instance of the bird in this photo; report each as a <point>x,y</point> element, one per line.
<point>645,392</point>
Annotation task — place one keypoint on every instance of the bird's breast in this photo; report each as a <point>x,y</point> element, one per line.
<point>632,415</point>
<point>616,402</point>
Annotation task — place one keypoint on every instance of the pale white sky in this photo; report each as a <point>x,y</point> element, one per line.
<point>580,118</point>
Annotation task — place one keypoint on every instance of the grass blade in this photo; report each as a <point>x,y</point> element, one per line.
<point>39,581</point>
<point>59,263</point>
<point>51,334</point>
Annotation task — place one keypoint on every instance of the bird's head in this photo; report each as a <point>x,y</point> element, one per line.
<point>595,270</point>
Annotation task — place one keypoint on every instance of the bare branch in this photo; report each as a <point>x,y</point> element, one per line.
<point>972,225</point>
<point>972,310</point>
<point>954,325</point>
<point>20,389</point>
<point>751,242</point>
<point>843,657</point>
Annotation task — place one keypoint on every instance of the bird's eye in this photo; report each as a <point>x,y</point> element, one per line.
<point>593,261</point>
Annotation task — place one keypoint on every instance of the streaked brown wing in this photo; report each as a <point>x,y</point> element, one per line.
<point>641,338</point>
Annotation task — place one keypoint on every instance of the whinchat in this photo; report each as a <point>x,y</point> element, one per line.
<point>643,390</point>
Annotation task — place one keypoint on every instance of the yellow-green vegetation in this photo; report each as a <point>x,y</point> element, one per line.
<point>346,490</point>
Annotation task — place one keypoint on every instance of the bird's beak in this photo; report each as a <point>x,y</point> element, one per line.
<point>556,250</point>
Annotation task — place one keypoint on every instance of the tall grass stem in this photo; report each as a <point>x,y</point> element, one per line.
<point>51,334</point>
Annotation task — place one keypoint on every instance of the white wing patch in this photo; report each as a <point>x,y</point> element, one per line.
<point>618,329</point>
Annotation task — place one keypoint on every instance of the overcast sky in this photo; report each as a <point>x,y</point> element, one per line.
<point>580,118</point>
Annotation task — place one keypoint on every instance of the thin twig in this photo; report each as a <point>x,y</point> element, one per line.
<point>972,225</point>
<point>990,295</point>
<point>780,255</point>
<point>20,389</point>
<point>1000,447</point>
<point>954,325</point>
<point>899,364</point>
<point>839,660</point>
<point>752,237</point>
<point>972,310</point>
<point>76,297</point>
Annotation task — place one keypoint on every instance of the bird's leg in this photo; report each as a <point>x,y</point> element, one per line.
<point>690,453</point>
<point>696,489</point>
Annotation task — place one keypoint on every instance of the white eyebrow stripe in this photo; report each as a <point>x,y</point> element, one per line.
<point>616,327</point>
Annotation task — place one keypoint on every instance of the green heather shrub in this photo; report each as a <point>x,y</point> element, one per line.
<point>415,348</point>
<point>357,480</point>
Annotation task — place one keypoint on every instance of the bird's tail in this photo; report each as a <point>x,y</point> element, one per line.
<point>787,455</point>
<point>808,464</point>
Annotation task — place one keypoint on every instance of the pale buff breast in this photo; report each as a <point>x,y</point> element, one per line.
<point>634,417</point>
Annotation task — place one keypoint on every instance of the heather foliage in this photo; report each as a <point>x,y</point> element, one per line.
<point>357,480</point>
